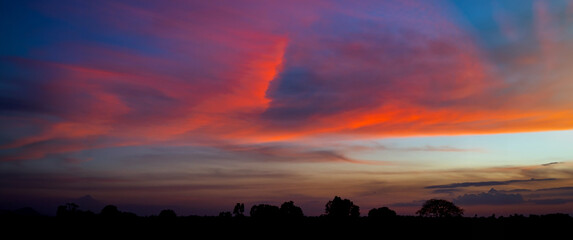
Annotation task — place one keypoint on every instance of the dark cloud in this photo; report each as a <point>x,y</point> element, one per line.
<point>518,190</point>
<point>558,192</point>
<point>557,189</point>
<point>291,153</point>
<point>544,196</point>
<point>551,163</point>
<point>492,197</point>
<point>24,90</point>
<point>488,183</point>
<point>551,201</point>
<point>299,94</point>
<point>335,72</point>
<point>8,104</point>
<point>157,182</point>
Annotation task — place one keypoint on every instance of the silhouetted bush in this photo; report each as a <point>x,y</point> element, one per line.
<point>67,210</point>
<point>265,211</point>
<point>289,210</point>
<point>110,211</point>
<point>239,210</point>
<point>440,208</point>
<point>341,208</point>
<point>382,212</point>
<point>71,210</point>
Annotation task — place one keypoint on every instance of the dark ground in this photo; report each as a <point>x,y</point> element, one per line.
<point>553,226</point>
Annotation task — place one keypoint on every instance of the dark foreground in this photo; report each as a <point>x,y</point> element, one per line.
<point>554,226</point>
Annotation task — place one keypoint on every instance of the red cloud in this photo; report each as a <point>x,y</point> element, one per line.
<point>210,71</point>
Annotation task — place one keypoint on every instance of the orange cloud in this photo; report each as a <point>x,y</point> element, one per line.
<point>231,75</point>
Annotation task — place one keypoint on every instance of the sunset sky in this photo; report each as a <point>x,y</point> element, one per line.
<point>198,105</point>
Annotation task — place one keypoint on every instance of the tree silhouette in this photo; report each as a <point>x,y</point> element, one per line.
<point>239,210</point>
<point>167,213</point>
<point>288,209</point>
<point>72,210</point>
<point>67,210</point>
<point>341,208</point>
<point>110,211</point>
<point>382,212</point>
<point>264,211</point>
<point>440,208</point>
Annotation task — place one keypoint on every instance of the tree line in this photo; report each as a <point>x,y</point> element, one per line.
<point>335,208</point>
<point>436,218</point>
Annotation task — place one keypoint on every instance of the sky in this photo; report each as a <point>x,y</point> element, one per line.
<point>198,105</point>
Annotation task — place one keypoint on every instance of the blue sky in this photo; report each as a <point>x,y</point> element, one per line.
<point>198,105</point>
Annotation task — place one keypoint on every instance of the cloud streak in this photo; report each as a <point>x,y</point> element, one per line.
<point>260,78</point>
<point>553,196</point>
<point>551,163</point>
<point>440,149</point>
<point>492,197</point>
<point>103,87</point>
<point>488,183</point>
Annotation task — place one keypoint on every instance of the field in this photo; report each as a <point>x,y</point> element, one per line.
<point>553,226</point>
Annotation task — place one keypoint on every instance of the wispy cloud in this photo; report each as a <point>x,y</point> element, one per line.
<point>425,148</point>
<point>492,197</point>
<point>557,189</point>
<point>551,163</point>
<point>551,201</point>
<point>553,196</point>
<point>488,183</point>
<point>235,86</point>
<point>292,152</point>
<point>440,149</point>
<point>227,73</point>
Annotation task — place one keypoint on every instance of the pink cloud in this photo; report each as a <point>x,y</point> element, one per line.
<point>222,71</point>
